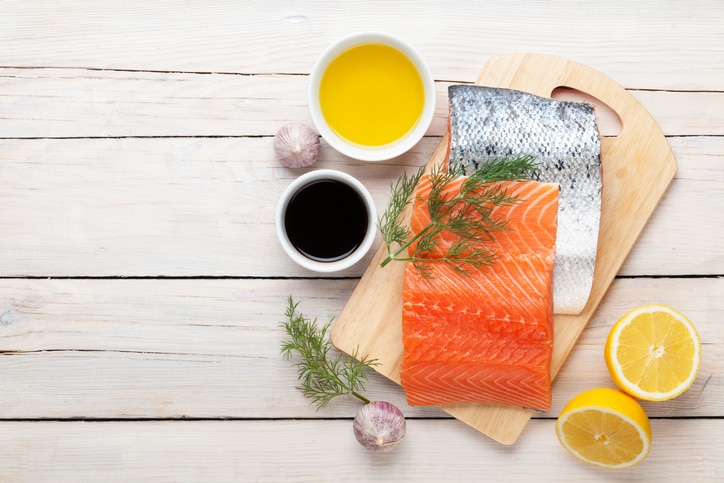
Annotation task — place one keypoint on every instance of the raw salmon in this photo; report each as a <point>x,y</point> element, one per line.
<point>485,336</point>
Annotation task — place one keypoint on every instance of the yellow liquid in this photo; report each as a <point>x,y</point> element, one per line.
<point>371,94</point>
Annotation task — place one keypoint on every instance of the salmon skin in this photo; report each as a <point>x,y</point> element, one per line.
<point>487,123</point>
<point>485,336</point>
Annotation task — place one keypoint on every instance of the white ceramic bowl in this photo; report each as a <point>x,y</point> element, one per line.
<point>352,258</point>
<point>372,153</point>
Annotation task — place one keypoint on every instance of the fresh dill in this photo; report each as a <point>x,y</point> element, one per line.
<point>466,214</point>
<point>322,377</point>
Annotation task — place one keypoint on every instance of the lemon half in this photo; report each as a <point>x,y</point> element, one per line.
<point>605,427</point>
<point>653,353</point>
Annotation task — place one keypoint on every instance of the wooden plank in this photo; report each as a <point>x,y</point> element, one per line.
<point>327,451</point>
<point>89,103</point>
<point>148,348</point>
<point>153,206</point>
<point>636,49</point>
<point>183,207</point>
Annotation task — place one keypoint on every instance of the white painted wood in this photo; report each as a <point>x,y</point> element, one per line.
<point>90,103</point>
<point>168,109</point>
<point>184,207</point>
<point>221,451</point>
<point>672,45</point>
<point>210,348</point>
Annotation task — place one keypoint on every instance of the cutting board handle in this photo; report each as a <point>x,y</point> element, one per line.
<point>542,74</point>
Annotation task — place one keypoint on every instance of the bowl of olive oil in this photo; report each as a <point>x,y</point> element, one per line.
<point>371,96</point>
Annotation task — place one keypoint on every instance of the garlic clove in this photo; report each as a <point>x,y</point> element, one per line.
<point>296,145</point>
<point>379,426</point>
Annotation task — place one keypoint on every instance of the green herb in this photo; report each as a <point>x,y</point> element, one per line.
<point>467,214</point>
<point>322,377</point>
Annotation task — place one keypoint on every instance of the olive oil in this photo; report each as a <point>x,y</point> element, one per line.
<point>326,220</point>
<point>371,95</point>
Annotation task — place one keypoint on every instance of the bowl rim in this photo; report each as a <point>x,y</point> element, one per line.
<point>367,241</point>
<point>388,151</point>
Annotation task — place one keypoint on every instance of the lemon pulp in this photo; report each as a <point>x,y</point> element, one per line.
<point>371,95</point>
<point>653,353</point>
<point>605,427</point>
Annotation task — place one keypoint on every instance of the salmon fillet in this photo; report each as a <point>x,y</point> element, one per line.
<point>486,336</point>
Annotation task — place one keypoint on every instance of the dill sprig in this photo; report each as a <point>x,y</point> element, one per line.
<point>322,377</point>
<point>466,214</point>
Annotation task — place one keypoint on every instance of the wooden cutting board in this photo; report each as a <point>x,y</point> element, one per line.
<point>638,166</point>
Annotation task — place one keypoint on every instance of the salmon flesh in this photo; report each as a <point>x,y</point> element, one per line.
<point>485,336</point>
<point>487,123</point>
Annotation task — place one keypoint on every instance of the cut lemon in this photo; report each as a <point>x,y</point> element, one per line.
<point>653,353</point>
<point>605,427</point>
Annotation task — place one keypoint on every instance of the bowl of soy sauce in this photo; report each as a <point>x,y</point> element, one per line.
<point>326,220</point>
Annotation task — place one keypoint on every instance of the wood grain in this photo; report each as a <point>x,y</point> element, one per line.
<point>193,206</point>
<point>641,46</point>
<point>53,102</point>
<point>206,348</point>
<point>282,450</point>
<point>637,166</point>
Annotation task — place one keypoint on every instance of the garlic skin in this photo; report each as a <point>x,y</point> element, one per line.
<point>379,426</point>
<point>296,145</point>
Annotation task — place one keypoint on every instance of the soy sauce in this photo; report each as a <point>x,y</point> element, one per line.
<point>326,220</point>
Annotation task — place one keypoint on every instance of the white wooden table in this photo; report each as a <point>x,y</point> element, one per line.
<point>142,284</point>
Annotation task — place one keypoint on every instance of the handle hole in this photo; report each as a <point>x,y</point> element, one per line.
<point>609,122</point>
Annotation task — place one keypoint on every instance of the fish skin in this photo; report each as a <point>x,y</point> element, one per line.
<point>487,123</point>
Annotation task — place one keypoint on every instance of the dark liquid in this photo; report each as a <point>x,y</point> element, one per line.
<point>326,220</point>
